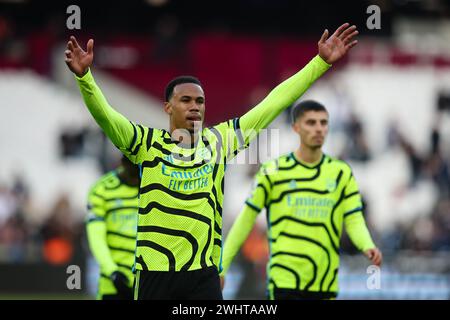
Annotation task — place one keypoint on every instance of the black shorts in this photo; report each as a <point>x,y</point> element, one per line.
<point>202,284</point>
<point>291,294</point>
<point>113,297</point>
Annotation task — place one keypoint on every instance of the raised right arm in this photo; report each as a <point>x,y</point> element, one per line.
<point>115,125</point>
<point>118,128</point>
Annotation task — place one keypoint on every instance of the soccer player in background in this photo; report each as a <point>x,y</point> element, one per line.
<point>308,196</point>
<point>111,229</point>
<point>179,235</point>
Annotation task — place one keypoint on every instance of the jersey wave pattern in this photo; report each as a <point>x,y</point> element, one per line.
<point>115,203</point>
<point>181,196</point>
<point>306,207</point>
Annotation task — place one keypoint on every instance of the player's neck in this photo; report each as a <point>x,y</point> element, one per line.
<point>309,155</point>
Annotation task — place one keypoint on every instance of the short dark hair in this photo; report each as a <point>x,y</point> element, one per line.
<point>308,105</point>
<point>179,80</point>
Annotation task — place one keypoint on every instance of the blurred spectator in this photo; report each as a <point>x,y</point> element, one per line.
<point>8,203</point>
<point>356,146</point>
<point>441,220</point>
<point>169,40</point>
<point>12,47</point>
<point>255,248</point>
<point>14,236</point>
<point>419,235</point>
<point>14,229</point>
<point>415,160</point>
<point>432,231</point>
<point>58,232</point>
<point>437,166</point>
<point>21,191</point>
<point>253,259</point>
<point>5,35</point>
<point>437,169</point>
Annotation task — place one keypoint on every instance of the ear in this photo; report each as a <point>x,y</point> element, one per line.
<point>296,127</point>
<point>168,108</point>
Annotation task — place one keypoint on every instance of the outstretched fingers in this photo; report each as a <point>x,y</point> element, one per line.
<point>339,30</point>
<point>68,56</point>
<point>347,32</point>
<point>70,46</point>
<point>90,46</point>
<point>378,258</point>
<point>350,37</point>
<point>351,44</point>
<point>324,36</point>
<point>74,41</point>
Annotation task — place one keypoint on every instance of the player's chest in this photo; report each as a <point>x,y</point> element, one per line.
<point>320,181</point>
<point>185,171</point>
<point>122,215</point>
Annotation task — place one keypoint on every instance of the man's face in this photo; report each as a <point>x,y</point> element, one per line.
<point>186,106</point>
<point>312,127</point>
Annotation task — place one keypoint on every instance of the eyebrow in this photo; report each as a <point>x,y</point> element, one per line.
<point>187,96</point>
<point>192,97</point>
<point>320,120</point>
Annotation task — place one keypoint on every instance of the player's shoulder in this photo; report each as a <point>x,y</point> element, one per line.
<point>143,130</point>
<point>107,181</point>
<point>160,136</point>
<point>337,163</point>
<point>223,127</point>
<point>284,161</point>
<point>156,132</point>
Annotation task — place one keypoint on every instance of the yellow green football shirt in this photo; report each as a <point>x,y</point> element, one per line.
<point>306,206</point>
<point>181,191</point>
<point>111,228</point>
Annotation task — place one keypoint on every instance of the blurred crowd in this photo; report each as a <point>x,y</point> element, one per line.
<point>427,233</point>
<point>54,240</point>
<point>432,230</point>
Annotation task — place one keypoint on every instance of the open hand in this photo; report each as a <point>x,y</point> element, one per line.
<point>335,47</point>
<point>77,59</point>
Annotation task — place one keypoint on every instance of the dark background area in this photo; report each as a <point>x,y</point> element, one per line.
<point>290,17</point>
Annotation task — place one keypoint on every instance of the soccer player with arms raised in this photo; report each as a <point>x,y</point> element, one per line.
<point>179,235</point>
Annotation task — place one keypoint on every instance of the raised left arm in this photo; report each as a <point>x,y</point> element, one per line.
<point>330,50</point>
